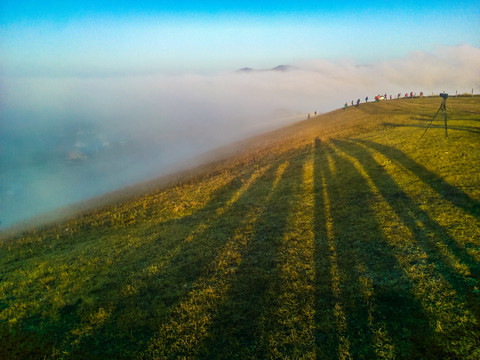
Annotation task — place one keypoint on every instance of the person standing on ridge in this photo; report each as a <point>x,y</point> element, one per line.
<point>366,99</point>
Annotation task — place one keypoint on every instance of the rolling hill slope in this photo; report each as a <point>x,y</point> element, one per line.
<point>342,236</point>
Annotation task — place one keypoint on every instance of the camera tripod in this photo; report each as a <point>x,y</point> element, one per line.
<point>443,106</point>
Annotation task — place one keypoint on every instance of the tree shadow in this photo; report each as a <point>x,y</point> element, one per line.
<point>362,254</point>
<point>449,192</point>
<point>427,234</point>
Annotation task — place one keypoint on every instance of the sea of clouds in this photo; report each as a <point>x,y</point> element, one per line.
<point>65,139</point>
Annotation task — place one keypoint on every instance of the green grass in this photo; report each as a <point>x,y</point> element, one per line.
<point>340,237</point>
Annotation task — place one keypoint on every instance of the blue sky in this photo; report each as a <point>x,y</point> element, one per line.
<point>107,38</point>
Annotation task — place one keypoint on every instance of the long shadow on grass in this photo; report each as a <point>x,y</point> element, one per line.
<point>172,284</point>
<point>138,300</point>
<point>129,321</point>
<point>347,318</point>
<point>326,334</point>
<point>471,129</point>
<point>239,328</point>
<point>447,191</point>
<point>428,234</point>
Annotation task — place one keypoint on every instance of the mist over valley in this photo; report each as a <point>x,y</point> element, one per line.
<point>66,139</point>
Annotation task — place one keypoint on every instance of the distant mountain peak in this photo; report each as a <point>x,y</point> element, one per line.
<point>282,68</point>
<point>246,69</point>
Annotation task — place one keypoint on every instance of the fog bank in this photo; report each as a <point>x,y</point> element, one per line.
<point>67,139</point>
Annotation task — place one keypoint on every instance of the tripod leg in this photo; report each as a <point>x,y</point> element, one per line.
<point>434,116</point>
<point>445,113</point>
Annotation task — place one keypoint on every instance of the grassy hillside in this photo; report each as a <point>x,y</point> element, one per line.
<point>343,236</point>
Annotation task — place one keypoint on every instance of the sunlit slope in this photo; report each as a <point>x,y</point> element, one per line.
<point>343,236</point>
